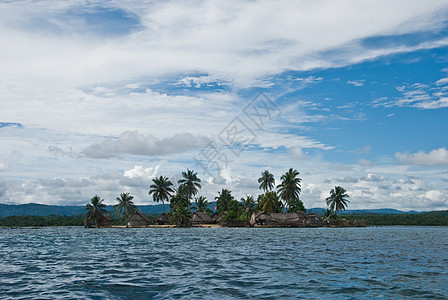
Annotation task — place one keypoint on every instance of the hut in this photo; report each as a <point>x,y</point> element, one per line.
<point>103,221</point>
<point>201,218</point>
<point>297,219</point>
<point>218,217</point>
<point>163,219</point>
<point>314,221</point>
<point>139,219</point>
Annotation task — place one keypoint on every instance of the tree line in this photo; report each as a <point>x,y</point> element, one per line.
<point>435,218</point>
<point>285,197</point>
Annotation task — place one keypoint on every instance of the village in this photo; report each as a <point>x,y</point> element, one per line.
<point>281,208</point>
<point>258,219</point>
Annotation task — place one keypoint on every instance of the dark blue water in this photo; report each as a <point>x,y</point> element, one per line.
<point>224,263</point>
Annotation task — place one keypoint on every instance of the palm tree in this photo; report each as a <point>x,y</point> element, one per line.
<point>269,202</point>
<point>161,190</point>
<point>290,188</point>
<point>191,183</point>
<point>201,203</point>
<point>96,209</point>
<point>249,206</point>
<point>223,200</point>
<point>180,215</point>
<point>266,181</point>
<point>338,199</point>
<point>125,207</point>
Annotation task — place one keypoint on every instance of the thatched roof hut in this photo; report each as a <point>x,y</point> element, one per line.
<point>163,219</point>
<point>297,219</point>
<point>200,218</point>
<point>314,221</point>
<point>139,219</point>
<point>103,221</point>
<point>218,217</point>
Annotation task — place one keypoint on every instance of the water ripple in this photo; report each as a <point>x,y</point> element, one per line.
<point>224,263</point>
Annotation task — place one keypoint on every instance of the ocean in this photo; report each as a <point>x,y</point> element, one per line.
<point>224,263</point>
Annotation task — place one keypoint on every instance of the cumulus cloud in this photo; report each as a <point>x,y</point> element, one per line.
<point>297,153</point>
<point>139,171</point>
<point>432,158</point>
<point>131,142</point>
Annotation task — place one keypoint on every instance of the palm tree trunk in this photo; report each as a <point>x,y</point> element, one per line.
<point>163,205</point>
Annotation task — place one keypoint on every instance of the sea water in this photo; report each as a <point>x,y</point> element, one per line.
<point>224,263</point>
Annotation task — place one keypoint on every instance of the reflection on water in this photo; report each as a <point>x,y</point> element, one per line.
<point>220,263</point>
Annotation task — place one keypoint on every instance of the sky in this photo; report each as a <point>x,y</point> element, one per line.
<point>99,97</point>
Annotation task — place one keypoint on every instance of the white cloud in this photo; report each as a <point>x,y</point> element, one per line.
<point>434,157</point>
<point>240,40</point>
<point>442,81</point>
<point>3,167</point>
<point>436,195</point>
<point>139,171</point>
<point>364,162</point>
<point>356,82</point>
<point>75,88</point>
<point>137,144</point>
<point>297,153</point>
<point>418,95</point>
<point>365,150</point>
<point>198,81</point>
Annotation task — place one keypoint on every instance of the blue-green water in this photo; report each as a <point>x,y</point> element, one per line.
<point>224,263</point>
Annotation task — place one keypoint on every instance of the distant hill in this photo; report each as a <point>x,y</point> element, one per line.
<point>380,211</point>
<point>34,209</point>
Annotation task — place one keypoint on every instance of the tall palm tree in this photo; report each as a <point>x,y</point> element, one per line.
<point>338,199</point>
<point>190,183</point>
<point>266,181</point>
<point>125,207</point>
<point>161,190</point>
<point>290,188</point>
<point>96,209</point>
<point>201,203</point>
<point>249,206</point>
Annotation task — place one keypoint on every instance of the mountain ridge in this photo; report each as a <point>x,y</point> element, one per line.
<point>36,209</point>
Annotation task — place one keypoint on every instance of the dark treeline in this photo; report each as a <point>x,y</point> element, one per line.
<point>436,218</point>
<point>54,220</point>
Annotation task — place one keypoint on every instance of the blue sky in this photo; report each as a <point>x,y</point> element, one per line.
<point>99,97</point>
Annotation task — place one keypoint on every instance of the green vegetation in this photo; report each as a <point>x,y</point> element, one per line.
<point>266,181</point>
<point>95,210</point>
<point>289,191</point>
<point>435,218</point>
<point>190,184</point>
<point>161,190</point>
<point>179,199</point>
<point>180,214</point>
<point>249,206</point>
<point>269,202</point>
<point>202,205</point>
<point>223,199</point>
<point>338,199</point>
<point>34,221</point>
<point>125,207</point>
